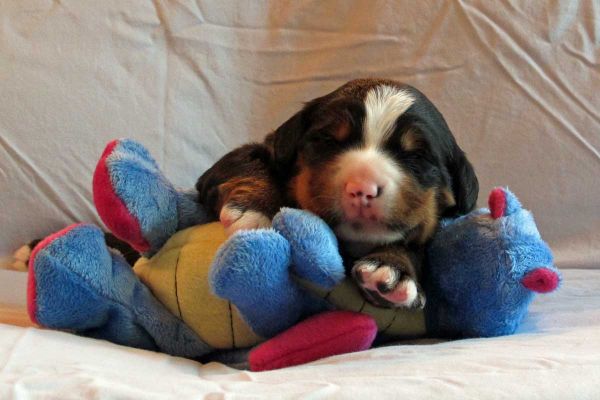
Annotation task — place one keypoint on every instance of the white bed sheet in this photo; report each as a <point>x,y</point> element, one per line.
<point>517,81</point>
<point>555,355</point>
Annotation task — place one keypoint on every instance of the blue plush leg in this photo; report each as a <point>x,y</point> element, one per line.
<point>137,202</point>
<point>314,248</point>
<point>77,283</point>
<point>252,270</point>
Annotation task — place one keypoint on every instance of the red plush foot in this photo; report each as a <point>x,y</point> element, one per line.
<point>112,209</point>
<point>323,335</point>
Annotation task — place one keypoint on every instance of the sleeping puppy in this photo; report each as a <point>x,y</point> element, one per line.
<point>376,160</point>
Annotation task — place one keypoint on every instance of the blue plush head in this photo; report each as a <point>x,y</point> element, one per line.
<point>484,268</point>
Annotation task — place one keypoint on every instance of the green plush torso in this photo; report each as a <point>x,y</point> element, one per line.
<point>178,277</point>
<point>391,322</point>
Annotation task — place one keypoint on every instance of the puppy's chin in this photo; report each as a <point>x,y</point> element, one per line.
<point>368,233</point>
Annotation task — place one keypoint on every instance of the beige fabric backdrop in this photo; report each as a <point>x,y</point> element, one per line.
<point>518,82</point>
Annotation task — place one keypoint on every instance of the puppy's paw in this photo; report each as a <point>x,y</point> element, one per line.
<point>386,285</point>
<point>21,258</point>
<point>234,219</point>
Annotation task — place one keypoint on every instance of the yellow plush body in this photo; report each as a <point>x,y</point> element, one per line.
<point>178,277</point>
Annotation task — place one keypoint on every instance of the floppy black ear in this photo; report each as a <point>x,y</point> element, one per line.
<point>286,140</point>
<point>465,186</point>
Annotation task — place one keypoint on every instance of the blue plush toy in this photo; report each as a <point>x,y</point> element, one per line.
<point>483,270</point>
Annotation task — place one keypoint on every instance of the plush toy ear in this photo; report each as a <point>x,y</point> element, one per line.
<point>503,202</point>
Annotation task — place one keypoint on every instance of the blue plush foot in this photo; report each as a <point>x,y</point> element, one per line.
<point>136,201</point>
<point>252,270</point>
<point>314,248</point>
<point>76,283</point>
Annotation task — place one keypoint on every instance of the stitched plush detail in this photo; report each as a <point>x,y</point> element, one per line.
<point>250,271</point>
<point>178,277</point>
<point>502,203</point>
<point>324,335</point>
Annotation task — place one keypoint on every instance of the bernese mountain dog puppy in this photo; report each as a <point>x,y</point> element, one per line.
<point>376,160</point>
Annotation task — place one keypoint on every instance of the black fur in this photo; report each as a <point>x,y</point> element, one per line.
<point>129,253</point>
<point>327,126</point>
<point>440,163</point>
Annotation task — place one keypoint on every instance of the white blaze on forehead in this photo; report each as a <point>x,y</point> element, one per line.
<point>383,105</point>
<point>369,162</point>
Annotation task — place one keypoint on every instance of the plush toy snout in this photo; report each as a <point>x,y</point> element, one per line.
<point>541,280</point>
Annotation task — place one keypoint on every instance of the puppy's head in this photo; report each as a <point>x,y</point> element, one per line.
<point>376,160</point>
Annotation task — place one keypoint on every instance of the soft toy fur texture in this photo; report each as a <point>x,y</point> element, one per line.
<point>77,284</point>
<point>139,204</point>
<point>491,260</point>
<point>483,270</point>
<point>258,270</point>
<point>375,159</point>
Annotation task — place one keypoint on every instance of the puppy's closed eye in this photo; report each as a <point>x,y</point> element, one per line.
<point>322,137</point>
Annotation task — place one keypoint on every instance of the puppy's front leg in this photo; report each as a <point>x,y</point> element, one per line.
<point>240,189</point>
<point>389,277</point>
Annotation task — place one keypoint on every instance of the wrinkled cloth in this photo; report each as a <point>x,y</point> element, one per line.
<point>518,83</point>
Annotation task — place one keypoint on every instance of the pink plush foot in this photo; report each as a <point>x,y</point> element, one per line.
<point>136,201</point>
<point>111,207</point>
<point>323,335</point>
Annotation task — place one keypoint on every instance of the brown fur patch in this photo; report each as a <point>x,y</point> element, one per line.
<point>342,132</point>
<point>418,210</point>
<point>411,140</point>
<point>313,190</point>
<point>300,188</point>
<point>254,193</point>
<point>447,199</point>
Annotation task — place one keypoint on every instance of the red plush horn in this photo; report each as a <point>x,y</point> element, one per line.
<point>541,280</point>
<point>497,203</point>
